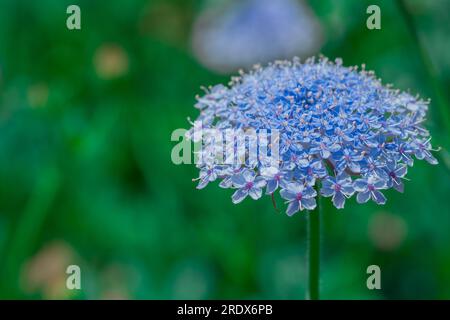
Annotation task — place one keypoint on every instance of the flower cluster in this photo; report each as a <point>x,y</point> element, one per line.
<point>342,133</point>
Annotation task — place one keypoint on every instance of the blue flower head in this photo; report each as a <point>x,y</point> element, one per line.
<point>340,133</point>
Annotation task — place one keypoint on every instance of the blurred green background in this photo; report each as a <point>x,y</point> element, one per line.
<point>86,176</point>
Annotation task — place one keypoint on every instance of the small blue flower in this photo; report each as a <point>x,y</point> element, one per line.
<point>310,170</point>
<point>369,188</point>
<point>422,150</point>
<point>370,166</point>
<point>207,174</point>
<point>349,159</point>
<point>298,197</point>
<point>228,175</point>
<point>340,188</point>
<point>274,177</point>
<point>247,184</point>
<point>395,173</point>
<point>403,152</point>
<point>325,147</point>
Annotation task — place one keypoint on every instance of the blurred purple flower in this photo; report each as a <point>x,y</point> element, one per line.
<point>239,33</point>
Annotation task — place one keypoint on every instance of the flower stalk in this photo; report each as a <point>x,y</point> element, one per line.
<point>314,252</point>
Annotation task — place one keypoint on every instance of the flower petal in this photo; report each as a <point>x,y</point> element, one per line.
<point>203,183</point>
<point>239,195</point>
<point>296,187</point>
<point>293,207</point>
<point>398,185</point>
<point>354,167</point>
<point>339,200</point>
<point>249,175</point>
<point>309,192</point>
<point>378,197</point>
<point>238,181</point>
<point>326,192</point>
<point>272,185</point>
<point>360,185</point>
<point>363,197</point>
<point>255,193</point>
<point>347,190</point>
<point>259,182</point>
<point>309,203</point>
<point>380,184</point>
<point>401,171</point>
<point>269,172</point>
<point>226,183</point>
<point>325,154</point>
<point>327,183</point>
<point>287,194</point>
<point>430,158</point>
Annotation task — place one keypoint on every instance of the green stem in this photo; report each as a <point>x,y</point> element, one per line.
<point>314,252</point>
